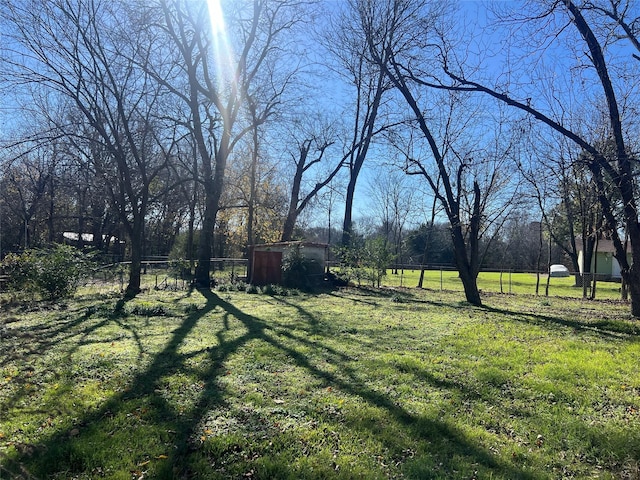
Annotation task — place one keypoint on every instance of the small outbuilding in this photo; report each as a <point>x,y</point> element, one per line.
<point>603,263</point>
<point>266,260</point>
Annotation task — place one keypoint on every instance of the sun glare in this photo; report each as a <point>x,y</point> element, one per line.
<point>222,50</point>
<point>216,17</point>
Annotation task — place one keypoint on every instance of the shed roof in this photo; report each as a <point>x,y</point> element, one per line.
<point>604,245</point>
<point>291,244</point>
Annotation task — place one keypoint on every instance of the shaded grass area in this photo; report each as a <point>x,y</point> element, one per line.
<point>346,384</point>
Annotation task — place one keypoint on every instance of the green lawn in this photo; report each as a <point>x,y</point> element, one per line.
<point>344,384</point>
<point>495,282</point>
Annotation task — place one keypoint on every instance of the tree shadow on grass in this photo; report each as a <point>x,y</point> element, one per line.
<point>100,434</point>
<point>612,329</point>
<point>435,432</point>
<point>166,436</point>
<point>20,346</point>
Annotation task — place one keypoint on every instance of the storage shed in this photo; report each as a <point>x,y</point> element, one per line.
<point>603,263</point>
<point>266,259</point>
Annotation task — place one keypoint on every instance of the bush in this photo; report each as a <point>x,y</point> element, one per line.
<point>179,268</point>
<point>275,290</point>
<point>298,271</point>
<point>367,262</point>
<point>53,272</point>
<point>21,271</point>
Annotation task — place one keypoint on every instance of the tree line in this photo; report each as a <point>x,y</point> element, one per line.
<point>494,130</point>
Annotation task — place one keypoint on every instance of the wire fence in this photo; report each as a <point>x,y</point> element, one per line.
<point>165,274</point>
<point>175,275</point>
<point>509,282</point>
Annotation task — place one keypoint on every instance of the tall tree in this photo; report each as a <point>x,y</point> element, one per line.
<point>224,54</point>
<point>84,52</point>
<point>466,180</point>
<point>612,87</point>
<point>312,149</point>
<point>347,43</point>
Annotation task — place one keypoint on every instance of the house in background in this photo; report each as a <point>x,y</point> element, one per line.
<point>266,259</point>
<point>111,246</point>
<point>603,263</point>
<point>73,238</point>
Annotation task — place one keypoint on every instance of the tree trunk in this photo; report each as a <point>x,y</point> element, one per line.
<point>205,244</point>
<point>97,226</point>
<point>633,286</point>
<point>50,221</point>
<point>347,224</point>
<point>624,290</point>
<point>214,181</point>
<point>190,241</point>
<point>135,237</point>
<point>421,278</point>
<point>470,285</point>
<point>289,225</point>
<point>538,261</point>
<point>468,274</point>
<point>546,290</point>
<point>292,213</point>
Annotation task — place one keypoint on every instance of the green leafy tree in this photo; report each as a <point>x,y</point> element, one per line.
<point>366,261</point>
<point>377,258</point>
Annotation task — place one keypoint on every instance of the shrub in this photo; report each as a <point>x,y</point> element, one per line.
<point>299,271</point>
<point>267,289</point>
<point>149,310</point>
<point>179,268</point>
<point>378,258</point>
<point>275,290</point>
<point>234,287</point>
<point>21,271</point>
<point>53,272</point>
<point>367,262</point>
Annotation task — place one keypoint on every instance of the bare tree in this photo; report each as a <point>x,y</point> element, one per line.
<point>25,183</point>
<point>222,60</point>
<point>393,198</point>
<point>311,151</point>
<point>316,166</point>
<point>624,15</point>
<point>465,180</point>
<point>83,51</point>
<point>567,198</point>
<point>616,170</point>
<point>346,42</point>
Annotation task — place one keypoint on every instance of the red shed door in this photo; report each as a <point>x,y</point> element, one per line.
<point>267,268</point>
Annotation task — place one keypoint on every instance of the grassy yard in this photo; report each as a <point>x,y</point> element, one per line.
<point>343,384</point>
<point>495,282</point>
